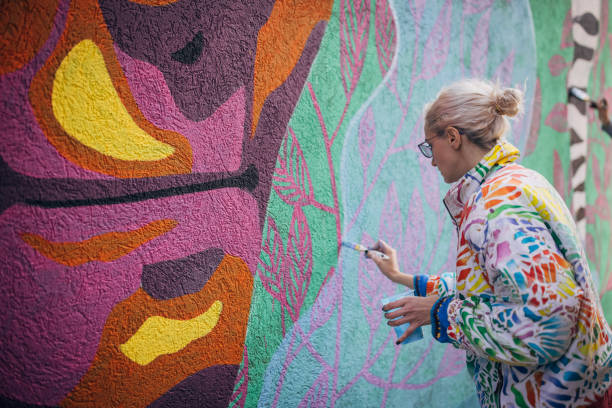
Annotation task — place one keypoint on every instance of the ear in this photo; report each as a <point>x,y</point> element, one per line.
<point>453,136</point>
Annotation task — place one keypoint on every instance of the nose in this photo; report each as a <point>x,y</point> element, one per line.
<point>433,162</point>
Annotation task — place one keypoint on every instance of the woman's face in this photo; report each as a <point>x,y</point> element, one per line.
<point>446,156</point>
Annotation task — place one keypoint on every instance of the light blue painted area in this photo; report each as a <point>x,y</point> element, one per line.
<point>389,191</point>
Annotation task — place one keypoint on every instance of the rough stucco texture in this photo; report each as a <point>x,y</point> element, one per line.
<point>176,177</point>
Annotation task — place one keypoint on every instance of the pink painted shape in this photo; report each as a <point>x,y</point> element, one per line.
<point>23,145</point>
<point>556,65</point>
<point>503,73</point>
<point>480,46</point>
<point>475,6</point>
<point>56,313</point>
<point>437,44</point>
<point>216,142</point>
<point>557,118</point>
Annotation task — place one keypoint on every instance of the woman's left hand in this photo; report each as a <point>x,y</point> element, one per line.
<point>411,309</point>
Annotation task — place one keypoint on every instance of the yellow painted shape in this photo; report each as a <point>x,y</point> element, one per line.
<point>159,335</point>
<point>89,109</point>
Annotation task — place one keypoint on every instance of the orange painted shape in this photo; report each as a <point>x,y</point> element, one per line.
<point>113,378</point>
<point>280,43</point>
<point>85,21</point>
<point>104,247</point>
<point>25,26</point>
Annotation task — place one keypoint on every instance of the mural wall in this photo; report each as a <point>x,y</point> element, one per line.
<point>176,177</point>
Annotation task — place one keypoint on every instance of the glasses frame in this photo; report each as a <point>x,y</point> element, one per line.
<point>426,149</point>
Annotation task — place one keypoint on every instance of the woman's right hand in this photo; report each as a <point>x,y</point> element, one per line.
<point>389,267</point>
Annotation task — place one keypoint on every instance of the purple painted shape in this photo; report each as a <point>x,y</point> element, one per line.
<point>216,142</point>
<point>169,279</point>
<point>23,144</point>
<point>54,314</point>
<point>226,64</point>
<point>209,388</point>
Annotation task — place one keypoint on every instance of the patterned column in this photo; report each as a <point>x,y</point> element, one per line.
<point>585,27</point>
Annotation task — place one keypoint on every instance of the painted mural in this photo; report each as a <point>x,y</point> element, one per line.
<point>176,177</point>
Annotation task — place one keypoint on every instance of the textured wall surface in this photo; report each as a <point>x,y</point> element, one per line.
<point>176,177</point>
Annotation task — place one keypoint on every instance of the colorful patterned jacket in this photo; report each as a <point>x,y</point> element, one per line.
<point>522,302</point>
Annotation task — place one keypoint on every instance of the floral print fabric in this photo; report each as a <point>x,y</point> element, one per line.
<point>522,302</point>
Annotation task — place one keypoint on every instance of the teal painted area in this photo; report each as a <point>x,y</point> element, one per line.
<point>387,191</point>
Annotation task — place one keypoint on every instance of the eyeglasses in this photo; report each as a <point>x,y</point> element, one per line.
<point>425,149</point>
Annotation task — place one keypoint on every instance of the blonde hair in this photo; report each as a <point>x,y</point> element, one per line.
<point>477,108</point>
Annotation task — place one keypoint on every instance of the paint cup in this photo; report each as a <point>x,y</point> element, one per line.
<point>399,330</point>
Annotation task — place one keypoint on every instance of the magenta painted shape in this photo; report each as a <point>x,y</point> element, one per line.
<point>216,141</point>
<point>556,65</point>
<point>367,138</point>
<point>55,314</point>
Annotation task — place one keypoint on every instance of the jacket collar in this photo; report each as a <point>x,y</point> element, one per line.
<point>502,154</point>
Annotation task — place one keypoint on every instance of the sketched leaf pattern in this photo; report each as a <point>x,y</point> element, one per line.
<point>325,305</point>
<point>367,138</point>
<point>354,32</point>
<point>317,394</point>
<point>437,44</point>
<point>390,228</point>
<point>476,6</point>
<point>299,256</point>
<point>373,287</point>
<point>386,35</point>
<point>556,65</point>
<point>412,247</point>
<point>291,179</point>
<point>242,380</point>
<point>272,262</point>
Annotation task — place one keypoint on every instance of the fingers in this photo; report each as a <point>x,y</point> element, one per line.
<point>603,102</point>
<point>407,333</point>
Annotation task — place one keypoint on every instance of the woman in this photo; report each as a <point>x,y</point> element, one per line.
<point>522,302</point>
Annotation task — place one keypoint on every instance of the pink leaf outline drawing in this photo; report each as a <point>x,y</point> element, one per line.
<point>431,183</point>
<point>475,6</point>
<point>316,396</point>
<point>412,250</point>
<point>354,32</point>
<point>367,138</point>
<point>325,304</point>
<point>437,44</point>
<point>242,380</point>
<point>291,179</point>
<point>372,287</point>
<point>557,117</point>
<point>416,8</point>
<point>390,226</point>
<point>271,269</point>
<point>480,45</point>
<point>452,363</point>
<point>386,35</point>
<point>299,257</point>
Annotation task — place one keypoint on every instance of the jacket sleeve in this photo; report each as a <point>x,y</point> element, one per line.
<point>428,285</point>
<point>531,317</point>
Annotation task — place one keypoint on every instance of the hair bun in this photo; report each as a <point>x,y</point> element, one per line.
<point>508,102</point>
